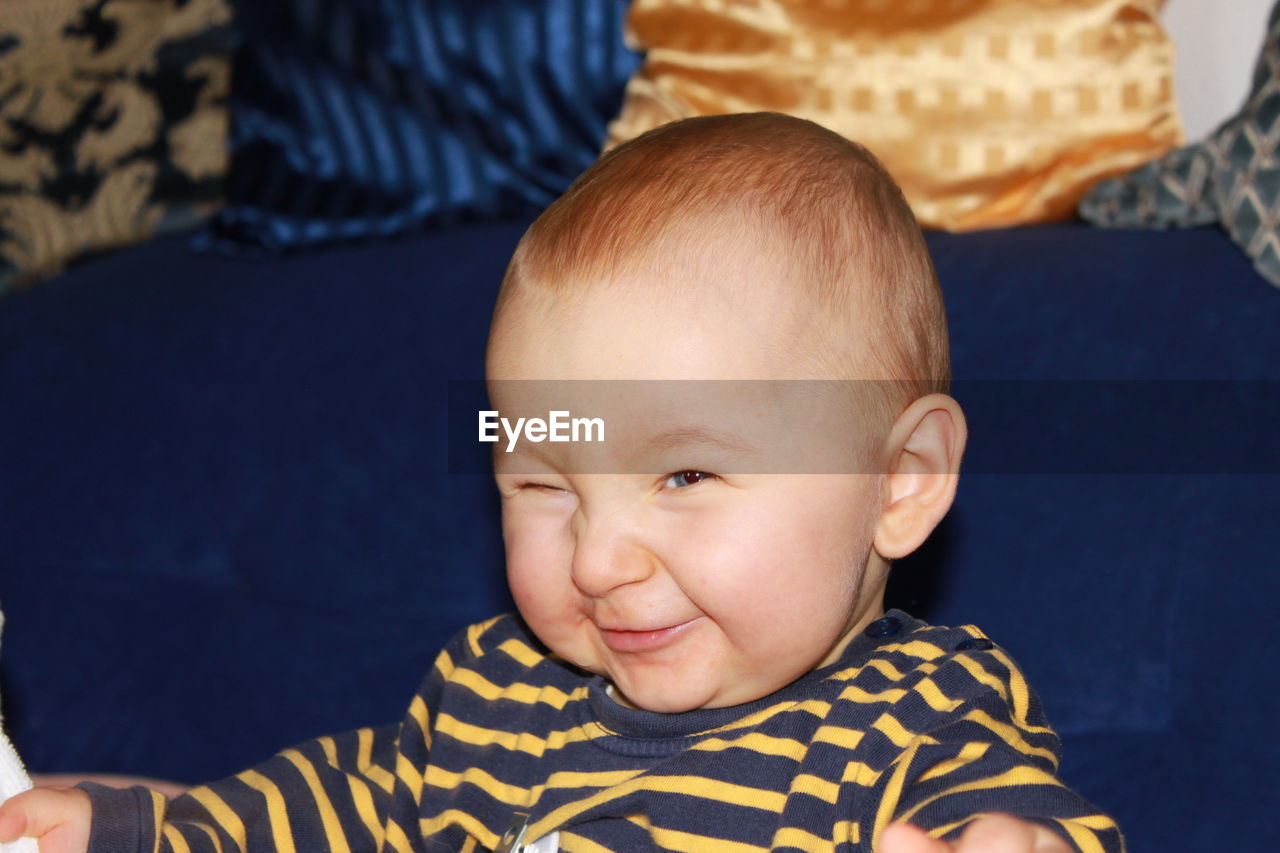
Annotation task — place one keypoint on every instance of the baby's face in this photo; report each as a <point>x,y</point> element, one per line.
<point>673,559</point>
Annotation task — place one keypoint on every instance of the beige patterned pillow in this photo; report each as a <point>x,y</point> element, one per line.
<point>112,125</point>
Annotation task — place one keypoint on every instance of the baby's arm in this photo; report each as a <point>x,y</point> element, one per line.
<point>977,770</point>
<point>332,794</point>
<point>347,792</point>
<point>991,834</point>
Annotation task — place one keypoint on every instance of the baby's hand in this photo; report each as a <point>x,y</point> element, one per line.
<point>992,834</point>
<point>58,818</point>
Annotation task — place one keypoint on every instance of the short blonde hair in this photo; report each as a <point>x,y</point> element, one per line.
<point>847,229</point>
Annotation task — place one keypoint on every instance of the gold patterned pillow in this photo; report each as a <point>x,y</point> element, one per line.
<point>112,124</point>
<point>987,112</point>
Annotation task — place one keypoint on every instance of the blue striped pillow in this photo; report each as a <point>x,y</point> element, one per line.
<point>363,118</point>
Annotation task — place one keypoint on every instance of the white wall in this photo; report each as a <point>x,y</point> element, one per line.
<point>1217,42</point>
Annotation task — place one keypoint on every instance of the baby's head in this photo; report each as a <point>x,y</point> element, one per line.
<point>690,558</point>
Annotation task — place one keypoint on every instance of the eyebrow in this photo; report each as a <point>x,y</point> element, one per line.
<point>697,435</point>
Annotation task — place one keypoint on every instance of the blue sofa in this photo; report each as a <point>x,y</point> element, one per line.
<point>228,522</point>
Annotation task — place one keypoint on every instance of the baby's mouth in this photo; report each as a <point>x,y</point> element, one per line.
<point>645,639</point>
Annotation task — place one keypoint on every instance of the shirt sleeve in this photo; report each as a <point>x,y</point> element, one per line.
<point>983,747</point>
<point>361,790</point>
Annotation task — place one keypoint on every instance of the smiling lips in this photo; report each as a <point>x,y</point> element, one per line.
<point>643,641</point>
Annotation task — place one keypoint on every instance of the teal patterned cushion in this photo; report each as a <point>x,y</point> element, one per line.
<point>1232,178</point>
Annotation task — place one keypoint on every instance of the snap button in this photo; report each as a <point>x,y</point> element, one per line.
<point>980,644</point>
<point>886,627</point>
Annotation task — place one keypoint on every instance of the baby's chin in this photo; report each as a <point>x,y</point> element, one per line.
<point>675,698</point>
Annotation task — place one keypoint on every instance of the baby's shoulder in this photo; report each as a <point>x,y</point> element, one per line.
<point>927,675</point>
<point>505,633</point>
<point>504,652</point>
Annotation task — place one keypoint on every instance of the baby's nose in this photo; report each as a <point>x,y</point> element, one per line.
<point>607,558</point>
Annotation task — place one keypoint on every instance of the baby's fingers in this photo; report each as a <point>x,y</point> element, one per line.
<point>57,817</point>
<point>1004,834</point>
<point>905,838</point>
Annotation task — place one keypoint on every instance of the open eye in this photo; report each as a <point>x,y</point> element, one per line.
<point>681,479</point>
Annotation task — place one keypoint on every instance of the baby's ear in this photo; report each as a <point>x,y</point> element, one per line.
<point>924,450</point>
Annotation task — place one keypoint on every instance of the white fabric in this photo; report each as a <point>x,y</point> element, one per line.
<point>549,843</point>
<point>13,780</point>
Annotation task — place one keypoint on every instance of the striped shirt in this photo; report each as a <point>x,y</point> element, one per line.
<point>932,725</point>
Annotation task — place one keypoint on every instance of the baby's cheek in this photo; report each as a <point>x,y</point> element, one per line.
<point>545,596</point>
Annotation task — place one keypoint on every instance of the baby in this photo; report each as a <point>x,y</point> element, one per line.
<point>702,660</point>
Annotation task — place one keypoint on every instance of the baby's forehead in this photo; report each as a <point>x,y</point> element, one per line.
<point>655,426</point>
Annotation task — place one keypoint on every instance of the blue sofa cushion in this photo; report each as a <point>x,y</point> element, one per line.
<point>354,119</point>
<point>229,524</point>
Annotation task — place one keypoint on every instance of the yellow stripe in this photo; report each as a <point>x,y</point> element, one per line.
<point>328,816</point>
<point>1010,735</point>
<point>846,832</point>
<point>722,792</point>
<point>814,786</point>
<point>214,838</point>
<point>365,808</point>
<point>453,817</point>
<point>585,779</point>
<point>227,820</point>
<point>521,742</point>
<point>916,648</point>
<point>418,710</point>
<point>519,692</point>
<point>759,743</point>
<point>860,774</point>
<point>473,639</point>
<point>981,675</point>
<point>1095,821</point>
<point>512,795</point>
<point>816,707</point>
<point>1084,839</point>
<point>1021,698</point>
<point>158,804</point>
<point>685,842</point>
<point>1077,828</point>
<point>277,813</point>
<point>940,831</point>
<point>397,838</point>
<point>838,736</point>
<point>1013,777</point>
<point>969,753</point>
<point>892,794</point>
<point>711,789</point>
<point>470,845</point>
<point>444,665</point>
<point>408,773</point>
<point>790,836</point>
<point>889,726</point>
<point>929,690</point>
<point>475,632</point>
<point>359,786</point>
<point>515,795</point>
<point>521,653</point>
<point>364,762</point>
<point>886,669</point>
<point>853,693</point>
<point>176,842</point>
